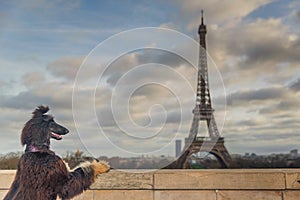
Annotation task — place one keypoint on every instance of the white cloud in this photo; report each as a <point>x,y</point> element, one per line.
<point>66,67</point>
<point>218,11</point>
<point>32,79</point>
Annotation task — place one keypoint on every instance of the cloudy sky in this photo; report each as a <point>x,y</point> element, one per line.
<point>126,90</point>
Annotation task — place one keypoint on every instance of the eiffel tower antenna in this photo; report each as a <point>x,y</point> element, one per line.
<point>202,21</point>
<point>203,111</point>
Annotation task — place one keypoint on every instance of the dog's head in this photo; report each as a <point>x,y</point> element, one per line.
<point>42,127</point>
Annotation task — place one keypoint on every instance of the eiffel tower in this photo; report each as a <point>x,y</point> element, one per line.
<point>203,111</point>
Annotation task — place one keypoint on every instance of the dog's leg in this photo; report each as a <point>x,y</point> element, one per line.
<point>82,177</point>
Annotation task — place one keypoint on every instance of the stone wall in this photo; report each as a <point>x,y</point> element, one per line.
<point>262,184</point>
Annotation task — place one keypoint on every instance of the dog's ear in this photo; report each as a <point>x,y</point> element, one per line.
<point>39,111</point>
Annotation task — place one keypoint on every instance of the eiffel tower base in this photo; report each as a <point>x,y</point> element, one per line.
<point>203,144</point>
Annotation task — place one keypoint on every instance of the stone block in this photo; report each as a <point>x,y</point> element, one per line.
<point>7,177</point>
<point>123,194</point>
<point>124,180</point>
<point>291,195</point>
<point>292,179</point>
<point>87,195</point>
<point>219,179</point>
<point>3,193</point>
<point>248,195</point>
<point>185,195</point>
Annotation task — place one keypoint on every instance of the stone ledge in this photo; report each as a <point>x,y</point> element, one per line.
<point>231,179</point>
<point>254,184</point>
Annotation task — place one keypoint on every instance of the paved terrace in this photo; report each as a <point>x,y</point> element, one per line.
<point>249,184</point>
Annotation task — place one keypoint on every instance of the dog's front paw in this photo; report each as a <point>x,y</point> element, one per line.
<point>100,167</point>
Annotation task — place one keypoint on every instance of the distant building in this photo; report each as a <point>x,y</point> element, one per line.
<point>177,148</point>
<point>294,153</point>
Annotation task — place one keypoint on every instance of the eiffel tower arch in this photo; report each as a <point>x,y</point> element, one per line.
<point>203,111</point>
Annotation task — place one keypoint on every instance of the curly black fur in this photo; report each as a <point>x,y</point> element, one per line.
<point>41,174</point>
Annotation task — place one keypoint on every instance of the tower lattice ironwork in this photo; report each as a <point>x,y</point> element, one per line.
<point>203,111</point>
